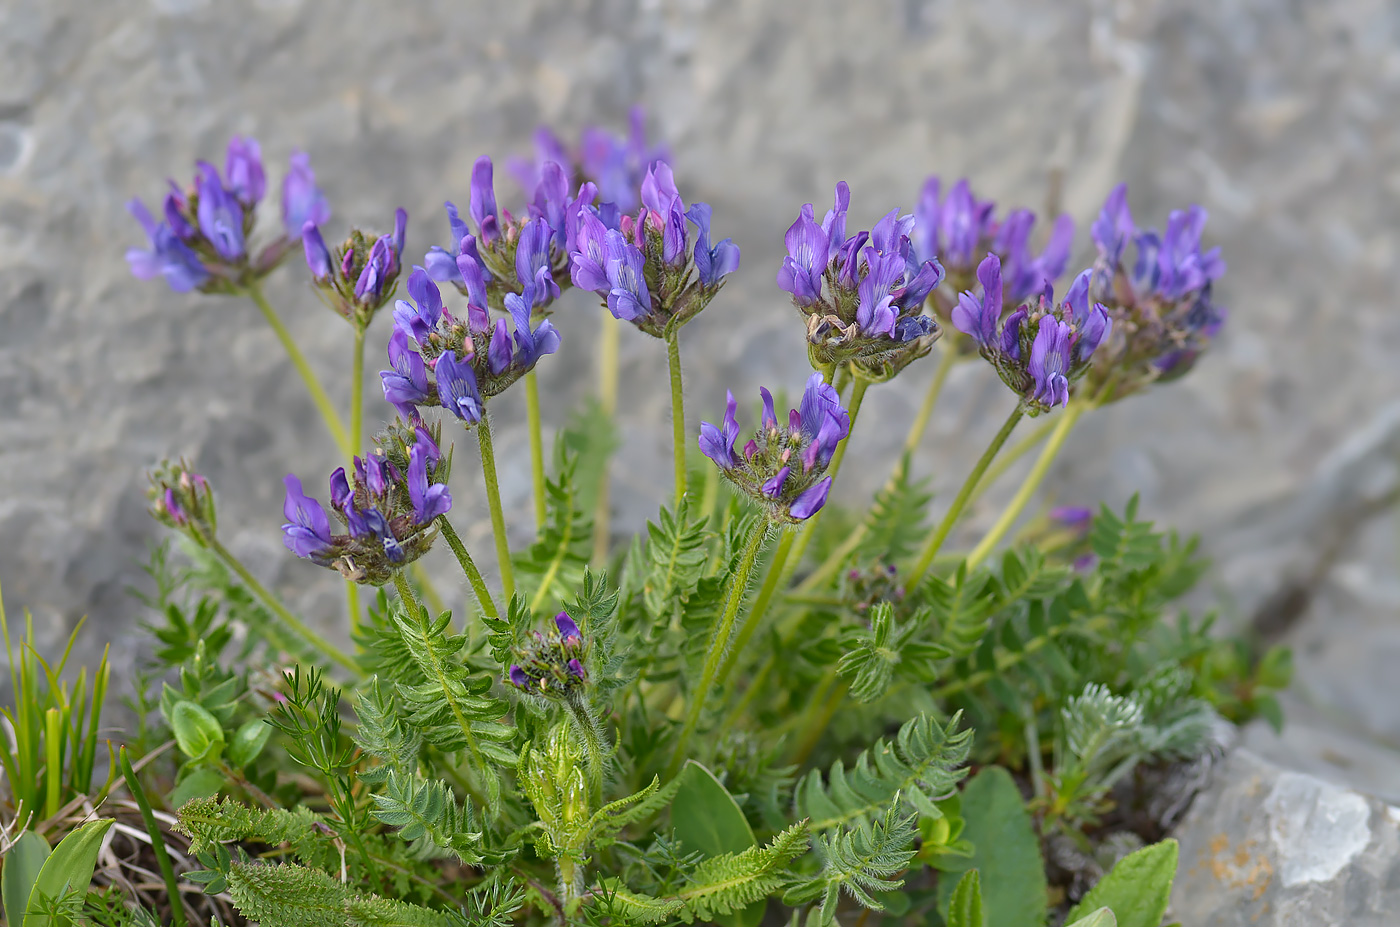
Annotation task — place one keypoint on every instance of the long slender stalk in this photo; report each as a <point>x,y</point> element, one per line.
<point>673,359</point>
<point>405,589</point>
<point>948,357</point>
<point>532,416</point>
<point>718,643</point>
<point>464,559</point>
<point>955,511</point>
<point>809,530</point>
<point>493,501</point>
<point>609,368</point>
<point>357,415</point>
<point>751,623</point>
<point>1007,459</point>
<point>148,817</point>
<point>1032,483</point>
<point>819,718</point>
<point>277,608</point>
<point>308,376</point>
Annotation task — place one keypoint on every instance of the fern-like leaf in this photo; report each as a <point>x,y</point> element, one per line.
<point>675,560</point>
<point>860,860</point>
<point>427,815</point>
<point>920,764</point>
<point>209,821</point>
<point>294,896</point>
<point>895,526</point>
<point>554,564</point>
<point>381,734</point>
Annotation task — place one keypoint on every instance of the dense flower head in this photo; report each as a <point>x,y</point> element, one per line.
<point>959,229</point>
<point>1043,347</point>
<point>387,505</point>
<point>784,466</point>
<point>438,359</point>
<point>551,665</point>
<point>658,269</point>
<point>202,241</point>
<point>1163,311</point>
<point>524,255</point>
<point>356,278</point>
<point>862,294</point>
<point>616,165</point>
<point>182,499</point>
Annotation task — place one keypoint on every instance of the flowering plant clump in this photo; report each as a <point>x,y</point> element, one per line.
<point>760,708</point>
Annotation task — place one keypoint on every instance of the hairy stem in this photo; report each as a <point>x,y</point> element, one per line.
<point>819,718</point>
<point>406,591</point>
<point>955,511</point>
<point>718,643</point>
<point>308,376</point>
<point>464,559</point>
<point>673,358</point>
<point>294,623</point>
<point>493,501</point>
<point>755,617</point>
<point>1032,483</point>
<point>609,364</point>
<point>1009,457</point>
<point>532,415</point>
<point>357,400</point>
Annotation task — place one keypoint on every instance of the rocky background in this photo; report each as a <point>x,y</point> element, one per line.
<point>1281,447</point>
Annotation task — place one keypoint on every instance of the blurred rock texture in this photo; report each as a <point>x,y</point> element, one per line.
<point>1277,116</point>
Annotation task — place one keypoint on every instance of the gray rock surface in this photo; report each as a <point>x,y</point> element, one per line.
<point>1278,117</point>
<point>1271,847</point>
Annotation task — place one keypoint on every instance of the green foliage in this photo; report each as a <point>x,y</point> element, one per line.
<point>919,765</point>
<point>22,865</point>
<point>676,561</point>
<point>895,525</point>
<point>65,873</point>
<point>51,752</point>
<point>1007,851</point>
<point>861,860</point>
<point>427,814</point>
<point>554,564</point>
<point>209,821</point>
<point>965,906</point>
<point>1137,889</point>
<point>294,896</point>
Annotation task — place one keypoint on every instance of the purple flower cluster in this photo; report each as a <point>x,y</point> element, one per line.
<point>357,278</point>
<point>1042,347</point>
<point>201,241</point>
<point>1163,306</point>
<point>615,165</point>
<point>551,666</point>
<point>959,229</point>
<point>651,270</point>
<point>388,510</point>
<point>862,294</point>
<point>182,499</point>
<point>521,255</point>
<point>438,359</point>
<point>783,467</point>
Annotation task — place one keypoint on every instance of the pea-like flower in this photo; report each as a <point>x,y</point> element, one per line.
<point>862,295</point>
<point>1041,348</point>
<point>515,254</point>
<point>388,508</point>
<point>551,666</point>
<point>614,163</point>
<point>1162,307</point>
<point>183,500</point>
<point>784,466</point>
<point>202,241</point>
<point>359,276</point>
<point>650,270</point>
<point>959,229</point>
<point>438,359</point>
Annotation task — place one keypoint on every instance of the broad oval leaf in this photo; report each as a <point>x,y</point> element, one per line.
<point>22,865</point>
<point>68,868</point>
<point>1137,888</point>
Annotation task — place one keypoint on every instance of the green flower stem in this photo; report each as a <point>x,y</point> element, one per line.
<point>809,530</point>
<point>405,591</point>
<point>1032,483</point>
<point>820,717</point>
<point>357,402</point>
<point>718,644</point>
<point>308,376</point>
<point>493,500</point>
<point>940,534</point>
<point>532,415</point>
<point>148,817</point>
<point>277,608</point>
<point>464,559</point>
<point>609,364</point>
<point>760,606</point>
<point>1014,453</point>
<point>673,357</point>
